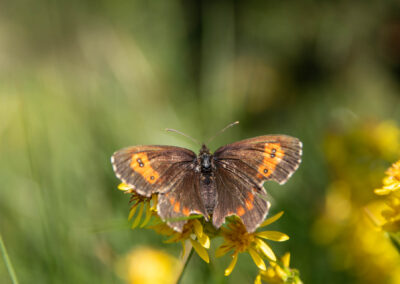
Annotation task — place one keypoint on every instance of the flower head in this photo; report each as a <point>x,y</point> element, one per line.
<point>391,182</point>
<point>192,231</point>
<point>279,272</point>
<point>143,203</point>
<point>237,239</point>
<point>146,265</point>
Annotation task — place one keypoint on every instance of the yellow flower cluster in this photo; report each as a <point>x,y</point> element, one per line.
<point>355,157</point>
<point>197,232</point>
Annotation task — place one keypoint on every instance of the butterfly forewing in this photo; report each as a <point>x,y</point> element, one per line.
<point>271,157</point>
<point>150,169</point>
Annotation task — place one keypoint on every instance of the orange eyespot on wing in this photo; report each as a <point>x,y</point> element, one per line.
<point>140,164</point>
<point>273,154</point>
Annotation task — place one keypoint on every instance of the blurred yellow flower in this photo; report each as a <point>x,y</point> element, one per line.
<point>237,238</point>
<point>386,137</point>
<point>356,158</point>
<point>147,266</point>
<point>193,231</point>
<point>391,182</point>
<point>279,272</point>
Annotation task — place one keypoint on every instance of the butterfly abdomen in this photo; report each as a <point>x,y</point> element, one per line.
<point>208,191</point>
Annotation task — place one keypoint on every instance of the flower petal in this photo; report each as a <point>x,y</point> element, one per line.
<point>271,219</point>
<point>266,250</point>
<point>257,259</point>
<point>148,216</point>
<point>198,228</point>
<point>204,240</point>
<point>286,259</point>
<point>222,250</point>
<point>258,279</point>
<point>174,238</point>
<point>154,201</point>
<point>273,236</point>
<point>124,187</point>
<point>201,251</point>
<point>231,266</point>
<point>138,217</point>
<point>382,191</point>
<point>281,273</point>
<point>132,211</point>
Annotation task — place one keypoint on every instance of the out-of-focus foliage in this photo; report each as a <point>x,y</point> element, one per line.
<point>81,79</point>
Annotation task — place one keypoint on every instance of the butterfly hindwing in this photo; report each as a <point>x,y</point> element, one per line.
<point>180,202</point>
<point>150,169</point>
<point>240,197</point>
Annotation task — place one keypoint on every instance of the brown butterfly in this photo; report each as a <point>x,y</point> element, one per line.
<point>227,182</point>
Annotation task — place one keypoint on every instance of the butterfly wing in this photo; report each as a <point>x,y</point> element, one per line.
<point>241,170</point>
<point>237,195</point>
<point>182,201</point>
<point>152,169</point>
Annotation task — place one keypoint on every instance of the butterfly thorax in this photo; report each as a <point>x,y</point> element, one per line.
<point>205,158</point>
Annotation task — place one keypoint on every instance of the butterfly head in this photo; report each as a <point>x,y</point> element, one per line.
<point>205,158</point>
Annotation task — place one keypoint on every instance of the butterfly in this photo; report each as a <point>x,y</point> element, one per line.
<point>215,185</point>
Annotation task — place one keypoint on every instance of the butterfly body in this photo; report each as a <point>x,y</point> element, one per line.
<point>215,185</point>
<point>207,179</point>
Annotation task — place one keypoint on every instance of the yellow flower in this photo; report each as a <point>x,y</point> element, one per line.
<point>193,231</point>
<point>143,203</point>
<point>279,272</point>
<point>146,266</point>
<point>391,182</point>
<point>237,238</point>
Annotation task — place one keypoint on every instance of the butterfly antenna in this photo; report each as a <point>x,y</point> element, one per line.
<point>219,132</point>
<point>183,134</point>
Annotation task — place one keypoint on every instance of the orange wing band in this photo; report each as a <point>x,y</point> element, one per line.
<point>273,154</point>
<point>140,164</point>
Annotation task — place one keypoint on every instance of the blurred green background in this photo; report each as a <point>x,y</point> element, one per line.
<point>81,79</point>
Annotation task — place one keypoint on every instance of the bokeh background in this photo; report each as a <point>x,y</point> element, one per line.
<point>81,79</point>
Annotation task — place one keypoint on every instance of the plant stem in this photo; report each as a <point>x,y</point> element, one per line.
<point>7,261</point>
<point>395,238</point>
<point>186,259</point>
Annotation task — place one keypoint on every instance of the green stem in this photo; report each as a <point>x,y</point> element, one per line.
<point>7,261</point>
<point>395,238</point>
<point>186,258</point>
